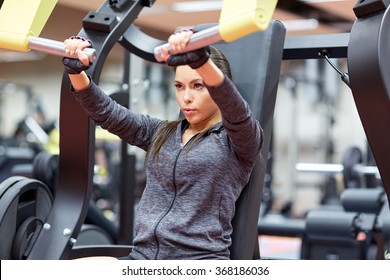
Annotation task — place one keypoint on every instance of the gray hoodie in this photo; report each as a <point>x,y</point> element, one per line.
<point>188,203</point>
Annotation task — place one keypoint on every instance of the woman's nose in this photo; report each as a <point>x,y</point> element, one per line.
<point>187,97</point>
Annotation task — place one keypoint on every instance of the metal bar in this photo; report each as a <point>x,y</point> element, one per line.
<point>198,40</point>
<point>295,47</point>
<point>36,129</point>
<point>56,48</point>
<point>319,168</point>
<point>333,168</point>
<point>310,46</point>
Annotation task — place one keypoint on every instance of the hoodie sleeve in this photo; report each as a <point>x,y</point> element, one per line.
<point>243,129</point>
<point>135,129</point>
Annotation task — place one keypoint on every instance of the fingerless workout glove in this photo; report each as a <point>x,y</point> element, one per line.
<point>73,65</point>
<point>194,59</point>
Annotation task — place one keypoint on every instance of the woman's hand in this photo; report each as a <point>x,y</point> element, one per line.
<point>75,45</point>
<point>177,41</point>
<point>76,66</point>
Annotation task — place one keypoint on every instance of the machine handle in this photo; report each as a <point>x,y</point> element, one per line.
<point>56,48</point>
<point>198,40</point>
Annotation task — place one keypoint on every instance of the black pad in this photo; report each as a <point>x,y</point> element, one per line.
<point>331,224</point>
<point>332,235</point>
<point>363,200</point>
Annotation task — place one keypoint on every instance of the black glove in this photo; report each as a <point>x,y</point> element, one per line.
<point>194,59</point>
<point>73,65</point>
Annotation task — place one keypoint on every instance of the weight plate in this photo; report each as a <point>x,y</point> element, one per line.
<point>9,182</point>
<point>21,200</point>
<point>352,157</point>
<point>25,237</point>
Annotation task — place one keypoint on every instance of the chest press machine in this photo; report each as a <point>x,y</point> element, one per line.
<point>50,231</point>
<point>49,226</point>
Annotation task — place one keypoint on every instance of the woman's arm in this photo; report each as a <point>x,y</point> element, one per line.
<point>136,129</point>
<point>79,81</point>
<point>212,76</point>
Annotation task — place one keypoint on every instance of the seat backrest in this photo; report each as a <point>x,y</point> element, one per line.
<point>255,61</point>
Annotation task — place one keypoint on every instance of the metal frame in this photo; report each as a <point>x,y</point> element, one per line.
<point>368,57</point>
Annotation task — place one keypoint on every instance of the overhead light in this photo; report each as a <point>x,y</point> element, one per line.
<point>196,6</point>
<point>300,24</point>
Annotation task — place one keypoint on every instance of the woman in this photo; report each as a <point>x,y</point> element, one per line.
<point>196,167</point>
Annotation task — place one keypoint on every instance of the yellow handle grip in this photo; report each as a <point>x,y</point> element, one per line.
<point>20,19</point>
<point>240,19</point>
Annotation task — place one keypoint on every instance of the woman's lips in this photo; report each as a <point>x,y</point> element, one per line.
<point>188,111</point>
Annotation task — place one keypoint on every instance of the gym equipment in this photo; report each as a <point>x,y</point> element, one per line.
<point>25,205</point>
<point>44,169</point>
<point>351,167</point>
<point>74,186</point>
<point>96,226</point>
<point>369,78</point>
<point>64,220</point>
<point>355,229</point>
<point>352,232</point>
<point>335,46</point>
<point>332,235</point>
<point>11,156</point>
<point>235,22</point>
<point>20,28</point>
<point>245,253</point>
<point>365,48</point>
<point>368,201</point>
<point>75,181</point>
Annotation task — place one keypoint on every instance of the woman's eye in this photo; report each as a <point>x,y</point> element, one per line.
<point>178,86</point>
<point>198,86</point>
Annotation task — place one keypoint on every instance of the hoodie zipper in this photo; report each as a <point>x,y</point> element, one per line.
<point>170,207</point>
<point>174,197</point>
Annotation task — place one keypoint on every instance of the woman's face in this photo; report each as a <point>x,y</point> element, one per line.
<point>194,99</point>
